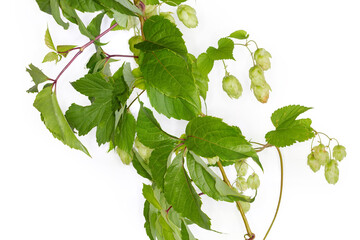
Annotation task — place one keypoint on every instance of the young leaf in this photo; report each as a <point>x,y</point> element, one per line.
<point>63,50</point>
<point>210,137</point>
<point>158,162</point>
<point>125,132</point>
<point>180,193</point>
<point>160,33</point>
<point>94,26</point>
<point>288,129</point>
<point>240,34</point>
<point>37,77</point>
<point>148,193</point>
<point>149,131</point>
<point>55,11</point>
<point>46,103</point>
<point>209,183</point>
<point>201,80</point>
<point>48,41</point>
<point>224,51</point>
<point>51,56</point>
<point>140,166</point>
<point>205,63</point>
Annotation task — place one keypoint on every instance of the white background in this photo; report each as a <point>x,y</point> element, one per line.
<point>48,191</point>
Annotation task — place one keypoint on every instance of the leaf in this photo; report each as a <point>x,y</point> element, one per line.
<point>158,163</point>
<point>148,193</point>
<point>240,34</point>
<point>150,220</point>
<point>170,75</point>
<point>94,26</point>
<point>288,129</point>
<point>205,63</point>
<point>151,2</point>
<point>173,2</point>
<point>149,130</point>
<point>48,41</point>
<point>37,77</point>
<point>164,229</point>
<point>159,34</point>
<point>125,132</point>
<point>185,232</point>
<point>44,5</point>
<point>120,19</point>
<point>51,56</point>
<point>46,103</point>
<point>122,6</point>
<point>210,137</point>
<point>85,5</point>
<point>55,12</point>
<point>128,76</point>
<point>180,193</point>
<point>201,80</point>
<point>224,51</point>
<point>140,166</point>
<point>63,50</point>
<point>209,183</point>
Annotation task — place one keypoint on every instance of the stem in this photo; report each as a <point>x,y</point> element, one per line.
<point>281,189</point>
<point>250,234</point>
<point>119,55</point>
<point>135,99</point>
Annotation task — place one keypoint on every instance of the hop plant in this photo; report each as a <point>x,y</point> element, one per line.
<point>339,152</point>
<point>262,58</point>
<point>144,151</point>
<point>187,15</point>
<point>168,16</point>
<point>241,184</point>
<point>332,172</point>
<point>245,206</point>
<point>256,75</point>
<point>132,42</point>
<point>241,167</point>
<point>262,93</point>
<point>125,157</point>
<point>232,86</point>
<point>313,163</point>
<point>321,154</point>
<point>253,181</point>
<point>213,161</point>
<point>150,10</point>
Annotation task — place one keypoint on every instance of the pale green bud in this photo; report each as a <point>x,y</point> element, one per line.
<point>232,86</point>
<point>313,163</point>
<point>187,15</point>
<point>150,10</point>
<point>339,152</point>
<point>332,172</point>
<point>241,184</point>
<point>168,16</point>
<point>143,150</point>
<point>213,161</point>
<point>262,58</point>
<point>262,92</point>
<point>241,167</point>
<point>125,157</point>
<point>132,42</point>
<point>245,206</point>
<point>256,75</point>
<point>321,154</point>
<point>253,181</point>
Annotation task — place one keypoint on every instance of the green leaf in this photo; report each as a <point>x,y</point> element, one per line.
<point>149,195</point>
<point>93,85</point>
<point>240,34</point>
<point>151,2</point>
<point>120,19</point>
<point>51,56</point>
<point>170,74</point>
<point>37,77</point>
<point>151,216</point>
<point>46,103</point>
<point>158,162</point>
<point>55,11</point>
<point>288,129</point>
<point>125,132</point>
<point>140,166</point>
<point>173,2</point>
<point>94,26</point>
<point>160,33</point>
<point>44,5</point>
<point>185,232</point>
<point>209,183</point>
<point>149,130</point>
<point>85,5</point>
<point>201,80</point>
<point>48,40</point>
<point>224,51</point>
<point>164,230</point>
<point>205,63</point>
<point>63,50</point>
<point>122,6</point>
<point>210,137</point>
<point>128,76</point>
<point>180,193</point>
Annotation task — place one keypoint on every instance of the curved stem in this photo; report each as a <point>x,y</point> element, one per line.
<point>247,226</point>
<point>281,189</point>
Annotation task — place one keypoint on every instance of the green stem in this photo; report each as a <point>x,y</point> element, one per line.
<point>281,190</point>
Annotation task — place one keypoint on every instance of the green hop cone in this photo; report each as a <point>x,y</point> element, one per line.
<point>187,15</point>
<point>253,181</point>
<point>232,86</point>
<point>144,151</point>
<point>262,58</point>
<point>261,92</point>
<point>313,163</point>
<point>125,157</point>
<point>332,172</point>
<point>245,206</point>
<point>241,167</point>
<point>168,16</point>
<point>256,75</point>
<point>339,152</point>
<point>321,154</point>
<point>213,161</point>
<point>132,42</point>
<point>241,184</point>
